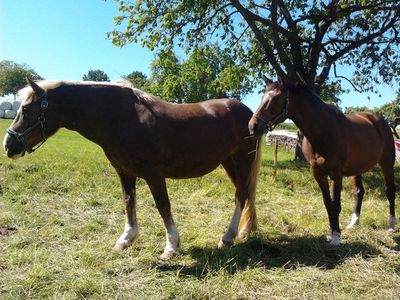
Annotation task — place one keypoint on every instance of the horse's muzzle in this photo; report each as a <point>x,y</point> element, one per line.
<point>12,149</point>
<point>254,129</point>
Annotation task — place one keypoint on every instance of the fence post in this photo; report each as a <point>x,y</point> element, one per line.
<point>275,157</point>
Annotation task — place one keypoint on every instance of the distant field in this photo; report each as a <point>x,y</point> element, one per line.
<point>61,212</point>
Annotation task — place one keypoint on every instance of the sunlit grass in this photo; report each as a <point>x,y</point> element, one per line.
<point>63,209</point>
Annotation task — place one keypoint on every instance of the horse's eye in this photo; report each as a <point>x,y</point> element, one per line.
<point>25,110</point>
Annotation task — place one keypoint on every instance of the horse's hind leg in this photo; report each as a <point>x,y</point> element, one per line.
<point>243,172</point>
<point>158,189</point>
<point>131,228</point>
<point>388,173</point>
<point>358,192</point>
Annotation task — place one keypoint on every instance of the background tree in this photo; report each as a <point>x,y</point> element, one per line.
<point>138,79</point>
<point>13,77</point>
<point>95,75</point>
<point>165,76</point>
<point>299,40</point>
<point>208,72</point>
<point>391,112</point>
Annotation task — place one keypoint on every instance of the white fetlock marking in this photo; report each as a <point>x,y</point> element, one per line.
<point>128,236</point>
<point>355,219</point>
<point>172,243</point>
<point>230,234</point>
<point>392,223</point>
<point>334,239</point>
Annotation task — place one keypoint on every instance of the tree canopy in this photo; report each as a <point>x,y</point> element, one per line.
<point>13,77</point>
<point>208,72</point>
<point>138,79</point>
<point>95,75</point>
<point>299,40</point>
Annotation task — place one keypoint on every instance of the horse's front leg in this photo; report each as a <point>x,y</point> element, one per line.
<point>131,231</point>
<point>331,206</point>
<point>159,191</point>
<point>335,208</point>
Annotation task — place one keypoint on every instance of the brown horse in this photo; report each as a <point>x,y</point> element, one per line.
<point>147,138</point>
<point>336,145</point>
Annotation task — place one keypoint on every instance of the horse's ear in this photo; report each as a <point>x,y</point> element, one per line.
<point>267,80</point>
<point>36,89</point>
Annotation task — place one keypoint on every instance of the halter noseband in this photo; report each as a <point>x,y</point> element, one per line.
<point>271,124</point>
<point>21,137</point>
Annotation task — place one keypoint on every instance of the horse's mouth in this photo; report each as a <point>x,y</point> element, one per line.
<point>12,155</point>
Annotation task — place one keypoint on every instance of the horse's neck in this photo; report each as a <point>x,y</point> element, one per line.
<point>312,116</point>
<point>92,117</point>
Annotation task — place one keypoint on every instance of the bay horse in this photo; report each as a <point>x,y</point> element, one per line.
<point>335,145</point>
<point>143,136</point>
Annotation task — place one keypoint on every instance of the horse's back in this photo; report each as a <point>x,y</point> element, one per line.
<point>369,141</point>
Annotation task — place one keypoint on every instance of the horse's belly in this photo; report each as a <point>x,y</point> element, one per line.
<point>193,167</point>
<point>361,161</point>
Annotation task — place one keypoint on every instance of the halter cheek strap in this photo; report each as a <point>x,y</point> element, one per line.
<point>271,124</point>
<point>21,137</point>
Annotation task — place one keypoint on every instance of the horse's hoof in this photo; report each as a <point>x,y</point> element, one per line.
<point>242,235</point>
<point>119,247</point>
<point>223,244</point>
<point>168,254</point>
<point>392,223</point>
<point>333,238</point>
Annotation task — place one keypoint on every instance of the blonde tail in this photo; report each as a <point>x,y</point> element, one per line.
<point>248,219</point>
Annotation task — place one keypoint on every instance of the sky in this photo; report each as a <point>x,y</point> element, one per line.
<point>64,39</point>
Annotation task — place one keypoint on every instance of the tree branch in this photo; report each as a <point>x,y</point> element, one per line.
<point>249,18</point>
<point>353,45</point>
<point>296,51</point>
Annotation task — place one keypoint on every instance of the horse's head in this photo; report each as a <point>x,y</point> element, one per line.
<point>272,110</point>
<point>30,127</point>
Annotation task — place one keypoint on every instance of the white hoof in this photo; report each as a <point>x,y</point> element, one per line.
<point>169,254</point>
<point>333,238</point>
<point>392,223</point>
<point>172,244</point>
<point>354,221</point>
<point>127,238</point>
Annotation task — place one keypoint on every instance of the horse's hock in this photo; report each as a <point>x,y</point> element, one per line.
<point>8,108</point>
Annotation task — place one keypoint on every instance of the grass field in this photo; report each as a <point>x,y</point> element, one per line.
<point>61,212</point>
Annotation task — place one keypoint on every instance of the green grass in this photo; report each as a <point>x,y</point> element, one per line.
<point>63,209</point>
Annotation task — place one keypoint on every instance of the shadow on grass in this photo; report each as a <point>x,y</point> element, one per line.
<point>286,252</point>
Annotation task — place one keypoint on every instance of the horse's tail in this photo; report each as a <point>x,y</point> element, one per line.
<point>248,220</point>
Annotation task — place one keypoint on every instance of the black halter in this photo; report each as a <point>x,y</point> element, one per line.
<point>282,116</point>
<point>21,137</point>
